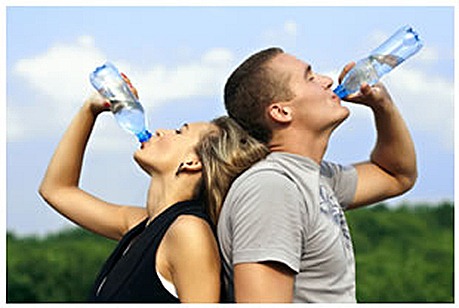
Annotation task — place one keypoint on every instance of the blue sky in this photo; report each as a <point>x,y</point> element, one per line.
<point>179,59</point>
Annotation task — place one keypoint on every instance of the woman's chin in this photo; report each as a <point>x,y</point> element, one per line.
<point>140,162</point>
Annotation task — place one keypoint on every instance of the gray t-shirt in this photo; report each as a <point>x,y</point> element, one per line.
<point>289,209</point>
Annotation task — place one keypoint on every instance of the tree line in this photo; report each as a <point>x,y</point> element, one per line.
<point>403,254</point>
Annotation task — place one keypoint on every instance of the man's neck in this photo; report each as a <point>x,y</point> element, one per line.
<point>300,143</point>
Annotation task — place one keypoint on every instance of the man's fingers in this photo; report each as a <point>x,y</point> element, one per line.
<point>365,89</point>
<point>345,70</point>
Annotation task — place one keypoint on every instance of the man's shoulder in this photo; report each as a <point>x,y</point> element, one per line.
<point>265,182</point>
<point>330,169</point>
<point>265,169</point>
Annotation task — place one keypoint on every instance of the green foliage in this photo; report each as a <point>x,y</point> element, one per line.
<point>403,254</point>
<point>59,268</point>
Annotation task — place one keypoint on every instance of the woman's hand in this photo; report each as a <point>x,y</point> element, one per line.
<point>131,87</point>
<point>98,104</point>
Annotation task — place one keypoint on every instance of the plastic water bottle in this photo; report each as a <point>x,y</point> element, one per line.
<point>400,46</point>
<point>127,109</point>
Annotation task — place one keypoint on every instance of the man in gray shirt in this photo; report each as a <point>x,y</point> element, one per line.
<point>282,230</point>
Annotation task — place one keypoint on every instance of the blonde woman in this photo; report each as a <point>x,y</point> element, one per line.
<point>167,250</point>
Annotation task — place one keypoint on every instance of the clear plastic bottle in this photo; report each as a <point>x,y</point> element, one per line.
<point>400,46</point>
<point>128,111</point>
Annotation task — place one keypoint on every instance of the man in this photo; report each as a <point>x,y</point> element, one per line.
<point>282,229</point>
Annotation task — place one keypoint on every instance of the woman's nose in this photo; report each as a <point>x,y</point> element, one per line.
<point>160,132</point>
<point>163,132</point>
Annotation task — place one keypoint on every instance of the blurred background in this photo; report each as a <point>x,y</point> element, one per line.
<point>179,59</point>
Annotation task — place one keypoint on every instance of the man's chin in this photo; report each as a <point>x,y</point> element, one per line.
<point>346,113</point>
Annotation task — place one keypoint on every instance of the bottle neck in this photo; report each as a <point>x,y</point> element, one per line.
<point>143,136</point>
<point>341,91</point>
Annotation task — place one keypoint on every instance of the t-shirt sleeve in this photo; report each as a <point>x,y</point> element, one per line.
<point>267,220</point>
<point>342,179</point>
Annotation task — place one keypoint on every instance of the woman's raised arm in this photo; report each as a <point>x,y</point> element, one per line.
<point>60,185</point>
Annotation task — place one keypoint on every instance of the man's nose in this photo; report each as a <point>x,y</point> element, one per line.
<point>326,81</point>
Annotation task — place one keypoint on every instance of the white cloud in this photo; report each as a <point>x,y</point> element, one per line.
<point>285,36</point>
<point>60,79</point>
<point>218,56</point>
<point>202,78</point>
<point>62,72</point>
<point>426,101</point>
<point>290,28</point>
<point>34,120</point>
<point>428,54</point>
<point>376,38</point>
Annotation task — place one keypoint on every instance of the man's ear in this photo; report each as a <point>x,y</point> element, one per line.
<point>280,112</point>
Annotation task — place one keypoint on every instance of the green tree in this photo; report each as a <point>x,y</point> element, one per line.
<point>403,254</point>
<point>59,268</point>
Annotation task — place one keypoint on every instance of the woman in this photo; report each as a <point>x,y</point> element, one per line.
<point>167,252</point>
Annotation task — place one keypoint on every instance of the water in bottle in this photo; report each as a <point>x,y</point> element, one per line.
<point>128,111</point>
<point>400,46</point>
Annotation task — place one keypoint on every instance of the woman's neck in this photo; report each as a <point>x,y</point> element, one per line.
<point>165,191</point>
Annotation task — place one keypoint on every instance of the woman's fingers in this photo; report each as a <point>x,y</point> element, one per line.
<point>131,87</point>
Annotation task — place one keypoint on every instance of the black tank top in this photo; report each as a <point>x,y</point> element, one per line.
<point>129,274</point>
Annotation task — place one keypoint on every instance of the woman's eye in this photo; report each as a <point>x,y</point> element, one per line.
<point>178,131</point>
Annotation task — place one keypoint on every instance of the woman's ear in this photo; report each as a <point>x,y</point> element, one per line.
<point>192,163</point>
<point>280,112</point>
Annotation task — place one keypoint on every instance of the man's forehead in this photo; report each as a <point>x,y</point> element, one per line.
<point>284,60</point>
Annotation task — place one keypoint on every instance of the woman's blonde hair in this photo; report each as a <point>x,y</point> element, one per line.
<point>225,153</point>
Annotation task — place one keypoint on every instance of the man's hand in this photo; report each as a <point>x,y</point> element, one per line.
<point>372,96</point>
